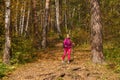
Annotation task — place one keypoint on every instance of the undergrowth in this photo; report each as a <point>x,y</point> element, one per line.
<point>5,69</point>
<point>112,56</point>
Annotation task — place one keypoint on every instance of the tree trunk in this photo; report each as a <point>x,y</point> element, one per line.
<point>57,17</point>
<point>65,17</point>
<point>7,49</point>
<point>44,32</point>
<point>27,21</point>
<point>35,20</point>
<point>96,33</point>
<point>23,18</point>
<point>20,23</point>
<point>42,14</point>
<point>16,22</point>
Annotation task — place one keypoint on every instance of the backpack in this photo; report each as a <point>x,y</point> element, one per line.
<point>67,43</point>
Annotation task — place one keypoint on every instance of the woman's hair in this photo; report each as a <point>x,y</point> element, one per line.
<point>68,36</point>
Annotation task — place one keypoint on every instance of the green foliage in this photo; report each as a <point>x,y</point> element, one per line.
<point>22,50</point>
<point>112,55</point>
<point>4,69</point>
<point>110,19</point>
<point>2,40</point>
<point>79,36</point>
<point>59,78</point>
<point>78,21</point>
<point>117,70</point>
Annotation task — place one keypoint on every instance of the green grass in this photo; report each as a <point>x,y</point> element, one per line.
<point>4,69</point>
<point>112,56</point>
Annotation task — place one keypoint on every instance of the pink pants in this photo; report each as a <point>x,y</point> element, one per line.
<point>68,52</point>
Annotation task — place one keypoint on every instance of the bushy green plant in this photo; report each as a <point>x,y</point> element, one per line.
<point>112,55</point>
<point>4,69</point>
<point>79,36</point>
<point>22,50</point>
<point>117,69</point>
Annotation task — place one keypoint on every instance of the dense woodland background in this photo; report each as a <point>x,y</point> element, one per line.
<point>28,18</point>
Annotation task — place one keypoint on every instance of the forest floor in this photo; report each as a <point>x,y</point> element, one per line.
<point>49,67</point>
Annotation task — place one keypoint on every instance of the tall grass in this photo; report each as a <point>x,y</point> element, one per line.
<point>112,56</point>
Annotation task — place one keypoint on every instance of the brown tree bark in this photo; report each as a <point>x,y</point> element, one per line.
<point>7,49</point>
<point>65,17</point>
<point>44,30</point>
<point>35,24</point>
<point>96,33</point>
<point>16,20</point>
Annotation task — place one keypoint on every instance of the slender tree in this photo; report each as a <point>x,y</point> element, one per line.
<point>57,17</point>
<point>23,18</point>
<point>7,49</point>
<point>96,33</point>
<point>44,30</point>
<point>35,22</point>
<point>27,21</point>
<point>65,16</point>
<point>16,21</point>
<point>20,21</point>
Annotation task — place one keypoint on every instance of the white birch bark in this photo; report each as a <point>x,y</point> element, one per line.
<point>44,31</point>
<point>57,17</point>
<point>65,17</point>
<point>23,18</point>
<point>20,23</point>
<point>7,49</point>
<point>27,21</point>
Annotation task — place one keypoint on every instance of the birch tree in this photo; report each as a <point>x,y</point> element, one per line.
<point>57,17</point>
<point>7,49</point>
<point>65,16</point>
<point>23,18</point>
<point>27,21</point>
<point>44,30</point>
<point>20,21</point>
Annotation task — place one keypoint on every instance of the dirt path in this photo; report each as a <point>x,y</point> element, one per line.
<point>49,67</point>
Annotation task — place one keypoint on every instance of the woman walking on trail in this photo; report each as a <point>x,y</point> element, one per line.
<point>67,45</point>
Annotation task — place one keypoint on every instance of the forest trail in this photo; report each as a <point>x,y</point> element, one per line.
<point>50,67</point>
